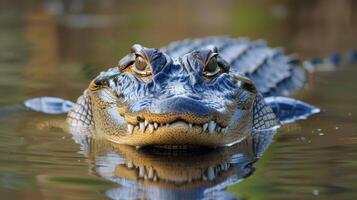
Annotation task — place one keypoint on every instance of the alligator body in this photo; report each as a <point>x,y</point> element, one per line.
<point>208,92</point>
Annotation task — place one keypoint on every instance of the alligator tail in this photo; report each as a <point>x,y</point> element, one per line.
<point>330,62</point>
<point>297,77</point>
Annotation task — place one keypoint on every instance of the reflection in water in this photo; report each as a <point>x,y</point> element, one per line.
<point>154,173</point>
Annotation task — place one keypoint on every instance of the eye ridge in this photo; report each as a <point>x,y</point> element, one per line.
<point>141,66</point>
<point>212,67</point>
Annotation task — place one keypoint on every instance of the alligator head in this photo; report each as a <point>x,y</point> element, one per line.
<point>154,99</point>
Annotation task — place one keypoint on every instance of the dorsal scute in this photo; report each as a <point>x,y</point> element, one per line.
<point>271,70</point>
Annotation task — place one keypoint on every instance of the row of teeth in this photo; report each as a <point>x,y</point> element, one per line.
<point>148,173</point>
<point>209,127</point>
<point>213,171</point>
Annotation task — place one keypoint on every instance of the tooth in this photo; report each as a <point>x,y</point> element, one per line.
<point>142,127</point>
<point>141,171</point>
<point>130,128</point>
<point>167,125</point>
<point>156,125</point>
<point>222,166</point>
<point>130,165</point>
<point>219,129</point>
<point>155,178</point>
<point>225,130</point>
<point>210,173</point>
<point>146,123</point>
<point>204,127</point>
<point>211,126</point>
<point>204,177</point>
<point>151,173</point>
<point>151,128</point>
<point>190,125</point>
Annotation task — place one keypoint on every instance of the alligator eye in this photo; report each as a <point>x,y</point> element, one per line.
<point>141,66</point>
<point>212,68</point>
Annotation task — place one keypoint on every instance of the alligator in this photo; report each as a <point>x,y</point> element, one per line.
<point>212,91</point>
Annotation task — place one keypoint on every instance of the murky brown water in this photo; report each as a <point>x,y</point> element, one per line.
<point>52,48</point>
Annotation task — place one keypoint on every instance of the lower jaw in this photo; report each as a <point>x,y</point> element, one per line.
<point>179,135</point>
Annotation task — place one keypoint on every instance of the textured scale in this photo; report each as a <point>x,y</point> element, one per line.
<point>264,117</point>
<point>273,72</point>
<point>81,112</point>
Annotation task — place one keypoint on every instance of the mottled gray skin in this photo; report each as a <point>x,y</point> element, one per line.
<point>193,92</point>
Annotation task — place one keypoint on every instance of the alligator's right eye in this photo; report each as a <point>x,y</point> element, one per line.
<point>141,66</point>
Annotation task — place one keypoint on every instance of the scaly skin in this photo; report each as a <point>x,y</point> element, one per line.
<point>190,93</point>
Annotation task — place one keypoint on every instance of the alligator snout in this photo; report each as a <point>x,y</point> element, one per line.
<point>172,109</point>
<point>181,105</point>
<point>173,114</point>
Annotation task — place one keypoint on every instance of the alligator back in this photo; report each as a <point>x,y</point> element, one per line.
<point>274,73</point>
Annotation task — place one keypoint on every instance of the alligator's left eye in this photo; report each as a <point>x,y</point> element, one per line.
<point>141,66</point>
<point>212,67</point>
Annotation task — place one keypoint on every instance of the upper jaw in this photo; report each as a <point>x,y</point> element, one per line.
<point>210,127</point>
<point>210,121</point>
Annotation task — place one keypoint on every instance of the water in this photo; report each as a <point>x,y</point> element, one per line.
<point>51,48</point>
